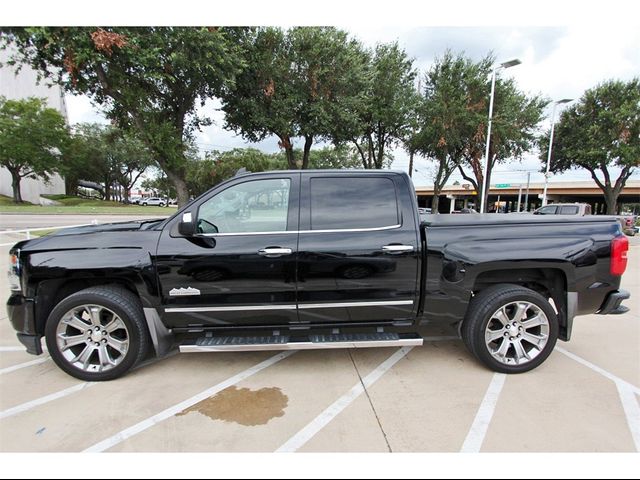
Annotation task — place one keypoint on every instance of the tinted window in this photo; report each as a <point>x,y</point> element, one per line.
<point>253,206</point>
<point>357,202</point>
<point>569,210</point>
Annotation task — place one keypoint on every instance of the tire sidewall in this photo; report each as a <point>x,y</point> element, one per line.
<point>94,299</point>
<point>486,312</point>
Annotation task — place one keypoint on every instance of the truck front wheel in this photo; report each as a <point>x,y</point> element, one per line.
<point>98,333</point>
<point>510,328</point>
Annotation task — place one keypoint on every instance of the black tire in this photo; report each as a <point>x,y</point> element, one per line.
<point>482,308</point>
<point>119,301</point>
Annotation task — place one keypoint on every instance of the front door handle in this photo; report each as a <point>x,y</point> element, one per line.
<point>274,252</point>
<point>396,249</point>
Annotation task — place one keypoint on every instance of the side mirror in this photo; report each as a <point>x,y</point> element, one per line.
<point>187,226</point>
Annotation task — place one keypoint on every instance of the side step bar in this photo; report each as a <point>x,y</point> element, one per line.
<point>311,342</point>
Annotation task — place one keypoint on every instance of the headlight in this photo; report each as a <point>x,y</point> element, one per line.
<point>14,272</point>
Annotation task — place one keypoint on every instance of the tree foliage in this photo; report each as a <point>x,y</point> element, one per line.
<point>106,155</point>
<point>387,106</point>
<point>32,139</point>
<point>150,79</point>
<point>516,116</point>
<point>301,83</point>
<point>601,131</point>
<point>448,115</point>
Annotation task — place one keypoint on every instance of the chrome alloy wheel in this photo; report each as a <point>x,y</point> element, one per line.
<point>517,333</point>
<point>92,338</point>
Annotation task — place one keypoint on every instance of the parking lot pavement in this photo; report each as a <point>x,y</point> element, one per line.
<point>434,398</point>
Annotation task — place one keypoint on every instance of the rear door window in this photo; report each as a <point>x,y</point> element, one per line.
<point>339,203</point>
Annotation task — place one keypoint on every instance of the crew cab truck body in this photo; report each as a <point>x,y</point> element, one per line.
<point>311,259</point>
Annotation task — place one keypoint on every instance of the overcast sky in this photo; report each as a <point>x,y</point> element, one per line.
<point>558,62</point>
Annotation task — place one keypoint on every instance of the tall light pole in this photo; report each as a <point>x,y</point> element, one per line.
<point>553,124</point>
<point>510,63</point>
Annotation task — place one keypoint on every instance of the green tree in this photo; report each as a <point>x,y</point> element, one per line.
<point>448,115</point>
<point>130,158</point>
<point>600,132</point>
<point>334,158</point>
<point>301,83</point>
<point>219,166</point>
<point>160,184</point>
<point>32,139</point>
<point>387,105</point>
<point>107,155</point>
<point>151,79</point>
<point>516,117</point>
<point>85,157</point>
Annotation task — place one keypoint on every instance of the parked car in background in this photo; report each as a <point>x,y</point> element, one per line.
<point>135,199</point>
<point>153,201</point>
<point>579,209</point>
<point>628,224</point>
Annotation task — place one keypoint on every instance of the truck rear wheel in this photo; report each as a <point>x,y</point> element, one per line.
<point>98,333</point>
<point>510,328</point>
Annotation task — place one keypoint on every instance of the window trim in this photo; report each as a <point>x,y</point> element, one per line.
<point>282,232</point>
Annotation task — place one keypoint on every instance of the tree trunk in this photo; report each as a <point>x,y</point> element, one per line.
<point>308,141</point>
<point>15,185</point>
<point>182,191</point>
<point>70,185</point>
<point>611,200</point>
<point>435,203</point>
<point>107,190</point>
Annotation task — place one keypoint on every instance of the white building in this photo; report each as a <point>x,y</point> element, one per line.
<point>25,85</point>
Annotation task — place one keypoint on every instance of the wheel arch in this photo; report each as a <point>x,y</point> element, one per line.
<point>52,292</point>
<point>552,283</point>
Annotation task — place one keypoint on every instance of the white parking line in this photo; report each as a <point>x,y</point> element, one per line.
<point>478,431</point>
<point>601,371</point>
<point>20,366</point>
<point>42,400</point>
<point>321,421</point>
<point>631,411</point>
<point>171,411</point>
<point>13,349</point>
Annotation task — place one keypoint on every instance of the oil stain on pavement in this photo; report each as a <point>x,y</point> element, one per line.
<point>242,405</point>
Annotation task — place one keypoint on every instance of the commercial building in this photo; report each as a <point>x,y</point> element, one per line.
<point>24,85</point>
<point>505,197</point>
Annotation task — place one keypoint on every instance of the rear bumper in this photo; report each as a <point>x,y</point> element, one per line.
<point>612,304</point>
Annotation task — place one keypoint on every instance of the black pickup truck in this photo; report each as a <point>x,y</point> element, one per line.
<point>311,259</point>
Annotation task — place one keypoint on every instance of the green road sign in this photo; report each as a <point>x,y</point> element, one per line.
<point>503,185</point>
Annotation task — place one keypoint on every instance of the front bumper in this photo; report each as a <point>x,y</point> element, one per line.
<point>612,304</point>
<point>22,316</point>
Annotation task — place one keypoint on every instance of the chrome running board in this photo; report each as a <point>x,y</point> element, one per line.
<point>311,342</point>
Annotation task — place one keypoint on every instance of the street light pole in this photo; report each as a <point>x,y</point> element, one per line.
<point>553,124</point>
<point>485,184</point>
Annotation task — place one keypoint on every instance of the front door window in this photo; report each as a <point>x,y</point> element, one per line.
<point>258,206</point>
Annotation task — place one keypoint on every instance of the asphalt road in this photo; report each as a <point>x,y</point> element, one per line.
<point>434,398</point>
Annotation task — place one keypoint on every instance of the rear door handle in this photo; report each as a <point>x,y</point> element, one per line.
<point>274,252</point>
<point>396,249</point>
